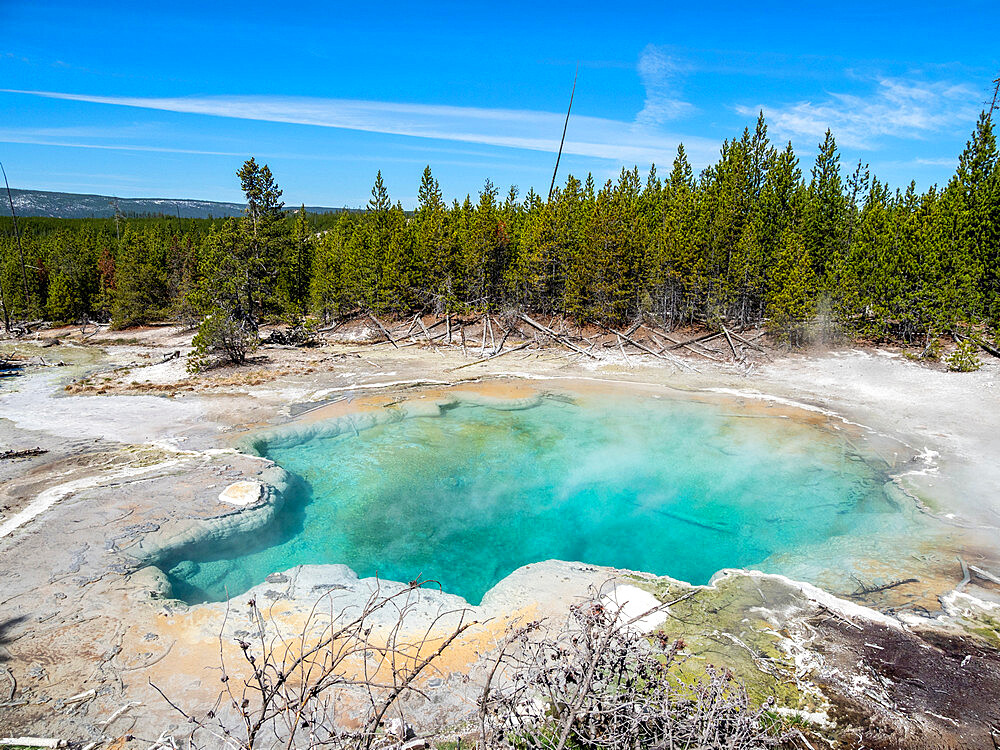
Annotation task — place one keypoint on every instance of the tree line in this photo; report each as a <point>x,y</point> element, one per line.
<point>754,238</point>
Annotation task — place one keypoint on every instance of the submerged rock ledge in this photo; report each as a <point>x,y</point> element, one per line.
<point>296,432</point>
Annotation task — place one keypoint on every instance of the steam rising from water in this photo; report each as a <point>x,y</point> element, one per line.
<point>680,488</point>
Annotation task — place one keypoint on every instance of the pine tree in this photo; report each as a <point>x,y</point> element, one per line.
<point>368,250</point>
<point>747,275</point>
<point>974,196</point>
<point>435,262</point>
<point>327,290</point>
<point>825,211</point>
<point>864,283</point>
<point>395,290</point>
<point>239,271</point>
<point>485,255</point>
<point>260,248</point>
<point>535,275</point>
<point>294,270</point>
<point>674,254</point>
<point>72,285</point>
<point>791,301</point>
<point>140,294</point>
<point>63,303</point>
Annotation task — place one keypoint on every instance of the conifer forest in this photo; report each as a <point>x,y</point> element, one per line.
<point>761,236</point>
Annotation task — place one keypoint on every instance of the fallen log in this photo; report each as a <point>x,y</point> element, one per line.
<point>699,353</point>
<point>382,329</point>
<point>864,590</point>
<point>687,344</point>
<point>621,348</point>
<point>27,453</point>
<point>410,329</point>
<point>97,328</point>
<point>749,343</point>
<point>539,326</point>
<point>427,333</point>
<point>80,697</point>
<point>31,742</point>
<point>731,344</point>
<point>839,616</point>
<point>697,340</point>
<point>492,356</point>
<point>503,339</point>
<point>117,714</point>
<point>985,574</point>
<point>430,340</point>
<point>339,321</point>
<point>993,351</point>
<point>432,326</point>
<point>561,339</point>
<point>659,355</point>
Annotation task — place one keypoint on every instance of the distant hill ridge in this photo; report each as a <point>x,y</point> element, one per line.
<point>86,206</point>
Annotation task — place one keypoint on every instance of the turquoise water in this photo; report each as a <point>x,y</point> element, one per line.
<point>669,487</point>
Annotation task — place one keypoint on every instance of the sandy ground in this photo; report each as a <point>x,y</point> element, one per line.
<point>136,444</point>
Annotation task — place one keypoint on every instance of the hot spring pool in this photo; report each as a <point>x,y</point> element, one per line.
<point>675,487</point>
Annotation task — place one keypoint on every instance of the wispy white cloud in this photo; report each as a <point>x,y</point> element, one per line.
<point>597,137</point>
<point>936,162</point>
<point>121,132</point>
<point>659,74</point>
<point>43,141</point>
<point>907,108</point>
<point>68,138</point>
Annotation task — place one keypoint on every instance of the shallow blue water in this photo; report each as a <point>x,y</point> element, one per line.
<point>669,487</point>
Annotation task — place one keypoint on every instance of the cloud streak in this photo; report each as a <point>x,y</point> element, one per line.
<point>37,141</point>
<point>533,130</point>
<point>904,108</point>
<point>659,73</point>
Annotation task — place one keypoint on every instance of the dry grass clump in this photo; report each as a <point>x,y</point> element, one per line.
<point>106,385</point>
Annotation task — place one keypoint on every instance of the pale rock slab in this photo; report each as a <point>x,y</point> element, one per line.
<point>242,494</point>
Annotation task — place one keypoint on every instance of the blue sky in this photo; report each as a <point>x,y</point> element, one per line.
<point>168,100</point>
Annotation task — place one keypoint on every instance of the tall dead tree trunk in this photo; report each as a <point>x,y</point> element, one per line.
<point>20,250</point>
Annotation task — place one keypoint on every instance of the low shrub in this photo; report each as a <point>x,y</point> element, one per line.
<point>965,358</point>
